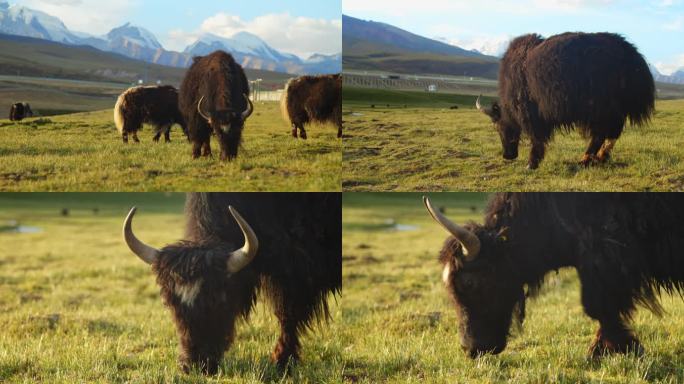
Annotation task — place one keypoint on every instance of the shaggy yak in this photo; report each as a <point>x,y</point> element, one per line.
<point>19,111</point>
<point>155,105</point>
<point>625,247</point>
<point>214,97</point>
<point>591,81</point>
<point>312,99</point>
<point>291,253</point>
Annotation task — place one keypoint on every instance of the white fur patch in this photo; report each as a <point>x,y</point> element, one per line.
<point>188,292</point>
<point>445,273</point>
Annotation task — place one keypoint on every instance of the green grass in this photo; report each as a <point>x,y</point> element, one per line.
<point>83,152</point>
<point>400,327</point>
<point>77,307</point>
<point>423,148</point>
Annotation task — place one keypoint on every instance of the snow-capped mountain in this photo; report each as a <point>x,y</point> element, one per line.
<point>22,21</point>
<point>252,52</point>
<point>675,78</point>
<point>138,43</point>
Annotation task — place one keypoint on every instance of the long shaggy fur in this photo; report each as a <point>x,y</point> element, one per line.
<point>595,82</point>
<point>155,105</point>
<point>298,265</point>
<point>625,247</point>
<point>222,82</point>
<point>308,99</point>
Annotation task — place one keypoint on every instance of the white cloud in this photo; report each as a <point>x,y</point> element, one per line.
<point>677,24</point>
<point>301,36</point>
<point>672,65</point>
<point>92,16</point>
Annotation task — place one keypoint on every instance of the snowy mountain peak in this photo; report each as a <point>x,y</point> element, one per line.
<point>135,34</point>
<point>18,20</point>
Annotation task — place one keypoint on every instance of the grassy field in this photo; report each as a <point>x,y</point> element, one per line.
<point>83,152</point>
<point>400,326</point>
<point>428,147</point>
<point>77,307</point>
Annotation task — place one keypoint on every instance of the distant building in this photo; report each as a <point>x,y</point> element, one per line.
<point>432,88</point>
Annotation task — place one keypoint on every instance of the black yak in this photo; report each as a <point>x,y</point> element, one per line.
<point>214,97</point>
<point>291,254</point>
<point>312,99</point>
<point>591,81</point>
<point>626,247</point>
<point>155,105</point>
<point>19,111</point>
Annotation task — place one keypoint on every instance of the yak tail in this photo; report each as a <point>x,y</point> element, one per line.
<point>284,101</point>
<point>118,113</point>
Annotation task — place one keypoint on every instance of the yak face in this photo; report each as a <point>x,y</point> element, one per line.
<point>206,286</point>
<point>227,124</point>
<point>510,138</point>
<point>205,300</point>
<point>509,132</point>
<point>478,276</point>
<point>485,294</point>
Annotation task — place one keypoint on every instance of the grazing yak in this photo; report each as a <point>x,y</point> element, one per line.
<point>626,247</point>
<point>214,98</point>
<point>19,111</point>
<point>155,105</point>
<point>291,254</point>
<point>312,99</point>
<point>594,82</point>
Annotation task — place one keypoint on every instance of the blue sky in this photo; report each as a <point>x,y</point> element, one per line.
<point>656,27</point>
<point>296,26</point>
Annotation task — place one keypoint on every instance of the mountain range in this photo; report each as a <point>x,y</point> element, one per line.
<point>370,45</point>
<point>140,44</point>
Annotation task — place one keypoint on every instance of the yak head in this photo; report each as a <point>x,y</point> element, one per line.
<point>227,126</point>
<point>206,286</point>
<point>482,283</point>
<point>509,132</point>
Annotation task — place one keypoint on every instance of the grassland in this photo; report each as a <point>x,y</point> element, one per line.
<point>400,327</point>
<point>77,307</point>
<point>428,147</point>
<point>83,152</point>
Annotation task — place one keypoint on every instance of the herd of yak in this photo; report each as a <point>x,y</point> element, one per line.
<point>214,100</point>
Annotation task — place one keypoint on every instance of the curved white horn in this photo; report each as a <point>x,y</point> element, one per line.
<point>199,110</point>
<point>249,110</point>
<point>142,250</point>
<point>240,258</point>
<point>486,111</point>
<point>470,242</point>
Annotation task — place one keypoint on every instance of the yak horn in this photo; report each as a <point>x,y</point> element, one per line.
<point>243,256</point>
<point>142,250</point>
<point>470,242</point>
<point>249,110</point>
<point>199,110</point>
<point>486,111</point>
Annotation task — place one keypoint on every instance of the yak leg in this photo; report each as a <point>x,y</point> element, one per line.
<point>339,130</point>
<point>124,137</point>
<point>294,130</point>
<point>167,133</point>
<point>294,310</point>
<point>613,336</point>
<point>206,148</point>
<point>158,134</point>
<point>302,132</point>
<point>536,154</point>
<point>604,152</point>
<point>135,137</point>
<point>594,146</point>
<point>196,149</point>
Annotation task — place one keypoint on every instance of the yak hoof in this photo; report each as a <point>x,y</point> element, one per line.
<point>303,135</point>
<point>602,347</point>
<point>294,133</point>
<point>532,166</point>
<point>588,160</point>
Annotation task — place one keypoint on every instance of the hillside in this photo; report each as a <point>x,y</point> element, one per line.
<point>57,78</point>
<point>369,45</point>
